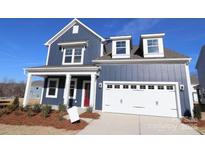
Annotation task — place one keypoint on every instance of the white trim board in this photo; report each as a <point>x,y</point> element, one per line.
<point>128,61</point>
<point>67,27</point>
<point>83,92</point>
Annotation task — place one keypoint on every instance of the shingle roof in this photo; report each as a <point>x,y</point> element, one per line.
<point>137,53</point>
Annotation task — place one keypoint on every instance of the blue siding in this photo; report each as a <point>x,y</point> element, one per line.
<point>145,72</point>
<point>201,73</point>
<point>59,99</point>
<point>92,51</point>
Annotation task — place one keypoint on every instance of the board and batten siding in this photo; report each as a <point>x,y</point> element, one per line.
<point>91,52</point>
<point>144,72</point>
<point>59,99</point>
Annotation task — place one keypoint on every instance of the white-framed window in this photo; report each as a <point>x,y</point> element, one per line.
<point>109,86</point>
<point>153,46</point>
<point>73,89</point>
<point>52,88</point>
<point>73,56</point>
<point>121,47</point>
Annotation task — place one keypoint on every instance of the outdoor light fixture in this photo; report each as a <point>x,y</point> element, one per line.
<point>100,85</point>
<point>181,87</point>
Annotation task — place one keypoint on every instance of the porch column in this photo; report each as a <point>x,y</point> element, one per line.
<point>27,90</point>
<point>67,89</point>
<point>93,90</point>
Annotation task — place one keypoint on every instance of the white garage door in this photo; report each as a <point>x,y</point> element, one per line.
<point>138,98</point>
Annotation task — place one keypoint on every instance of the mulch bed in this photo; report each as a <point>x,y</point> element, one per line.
<point>54,120</point>
<point>90,115</point>
<point>193,122</point>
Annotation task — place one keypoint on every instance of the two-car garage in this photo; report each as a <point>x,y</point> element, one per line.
<point>146,98</point>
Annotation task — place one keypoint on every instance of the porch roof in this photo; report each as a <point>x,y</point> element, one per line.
<point>63,68</point>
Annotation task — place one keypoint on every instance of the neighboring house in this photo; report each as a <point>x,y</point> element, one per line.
<point>194,88</point>
<point>113,75</point>
<point>36,89</point>
<point>200,66</point>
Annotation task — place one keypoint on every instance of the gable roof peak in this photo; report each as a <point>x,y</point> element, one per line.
<point>67,27</point>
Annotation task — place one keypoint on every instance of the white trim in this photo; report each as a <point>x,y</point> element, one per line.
<point>75,88</point>
<point>27,90</point>
<point>73,43</point>
<point>101,49</point>
<point>83,93</point>
<point>120,37</point>
<point>48,53</point>
<point>67,89</point>
<point>188,79</point>
<point>62,73</point>
<point>179,112</point>
<point>67,27</point>
<point>42,92</point>
<point>152,35</point>
<point>73,56</point>
<point>47,88</point>
<point>140,60</point>
<point>60,69</point>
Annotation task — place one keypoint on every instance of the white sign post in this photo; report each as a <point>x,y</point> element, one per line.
<point>73,114</point>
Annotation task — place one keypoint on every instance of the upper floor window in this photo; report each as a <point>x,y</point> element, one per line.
<point>75,29</point>
<point>153,46</point>
<point>120,47</point>
<point>73,56</point>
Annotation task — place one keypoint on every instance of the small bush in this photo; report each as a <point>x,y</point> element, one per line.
<point>89,110</point>
<point>46,110</point>
<point>16,103</point>
<point>60,118</point>
<point>26,108</point>
<point>2,112</point>
<point>197,112</point>
<point>36,108</point>
<point>61,108</point>
<point>30,113</point>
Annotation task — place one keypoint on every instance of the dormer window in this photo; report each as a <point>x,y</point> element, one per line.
<point>121,47</point>
<point>153,46</point>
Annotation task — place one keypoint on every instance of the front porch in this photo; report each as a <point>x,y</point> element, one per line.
<point>73,86</point>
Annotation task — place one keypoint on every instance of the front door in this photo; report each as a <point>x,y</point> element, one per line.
<point>86,94</point>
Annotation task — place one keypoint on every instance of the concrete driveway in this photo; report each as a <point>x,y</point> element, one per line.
<point>122,124</point>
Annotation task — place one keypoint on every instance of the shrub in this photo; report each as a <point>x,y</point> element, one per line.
<point>36,108</point>
<point>89,110</point>
<point>61,107</point>
<point>46,110</point>
<point>30,113</point>
<point>26,108</point>
<point>197,112</point>
<point>16,103</point>
<point>14,106</point>
<point>60,118</point>
<point>2,112</point>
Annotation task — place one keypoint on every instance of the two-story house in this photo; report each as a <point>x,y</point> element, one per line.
<point>111,74</point>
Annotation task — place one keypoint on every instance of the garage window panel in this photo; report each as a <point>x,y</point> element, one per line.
<point>160,87</point>
<point>151,87</point>
<point>142,86</point>
<point>125,86</point>
<point>109,86</point>
<point>133,86</point>
<point>117,86</point>
<point>170,87</point>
